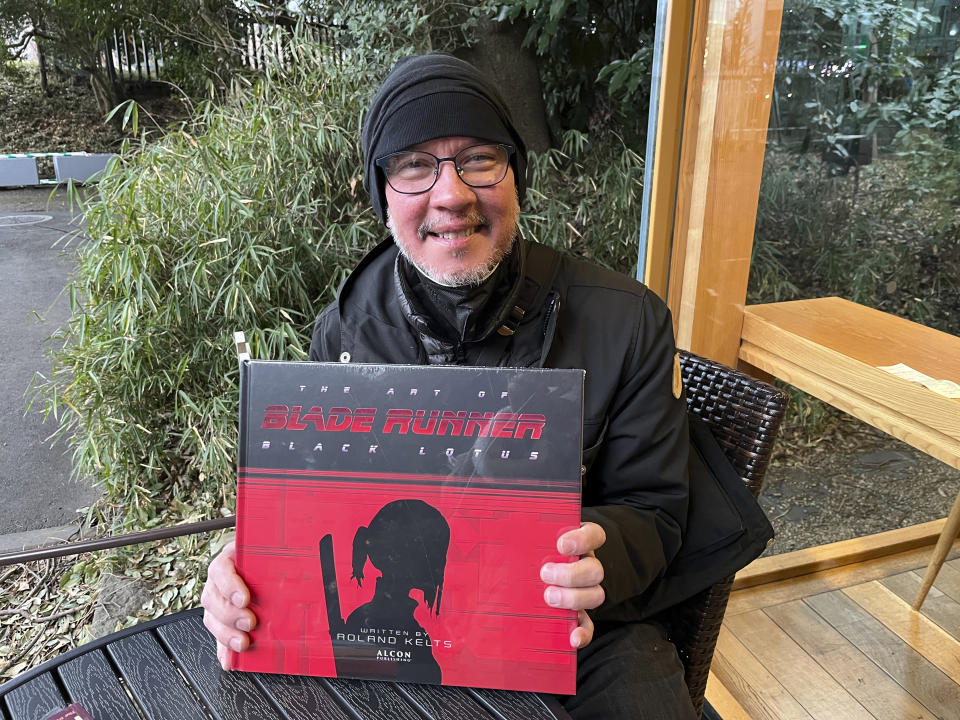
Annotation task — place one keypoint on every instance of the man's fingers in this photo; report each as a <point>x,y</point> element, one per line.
<point>223,574</point>
<point>226,611</point>
<point>585,539</point>
<point>226,635</point>
<point>583,633</point>
<point>224,599</point>
<point>222,656</point>
<point>580,574</point>
<point>574,598</point>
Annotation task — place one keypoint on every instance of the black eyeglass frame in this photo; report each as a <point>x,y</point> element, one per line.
<point>381,162</point>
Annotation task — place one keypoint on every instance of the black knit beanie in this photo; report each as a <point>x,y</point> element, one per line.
<point>431,96</point>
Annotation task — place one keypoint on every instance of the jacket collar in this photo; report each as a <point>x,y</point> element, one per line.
<point>450,320</point>
<point>376,327</point>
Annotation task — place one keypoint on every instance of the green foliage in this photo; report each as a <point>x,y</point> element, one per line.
<point>585,198</point>
<point>596,58</point>
<point>247,220</point>
<point>861,238</point>
<point>929,138</point>
<point>848,63</point>
<point>203,42</point>
<point>885,234</point>
<point>392,28</point>
<point>201,38</point>
<point>14,71</point>
<point>627,77</point>
<point>807,415</point>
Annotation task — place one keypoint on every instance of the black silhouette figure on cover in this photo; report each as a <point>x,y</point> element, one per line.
<point>407,542</point>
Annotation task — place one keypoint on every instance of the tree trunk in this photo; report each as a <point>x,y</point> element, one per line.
<point>104,92</point>
<point>867,147</point>
<point>42,62</point>
<point>499,54</point>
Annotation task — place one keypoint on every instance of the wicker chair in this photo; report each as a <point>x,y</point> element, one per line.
<point>744,415</point>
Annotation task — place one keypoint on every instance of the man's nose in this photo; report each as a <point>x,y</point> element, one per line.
<point>449,190</point>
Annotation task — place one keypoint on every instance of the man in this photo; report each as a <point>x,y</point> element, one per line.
<point>445,167</point>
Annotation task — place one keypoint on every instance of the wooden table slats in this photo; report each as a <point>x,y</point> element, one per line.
<point>302,697</point>
<point>442,705</point>
<point>167,669</point>
<point>519,706</point>
<point>91,681</point>
<point>34,700</point>
<point>230,695</point>
<point>145,666</point>
<point>375,700</point>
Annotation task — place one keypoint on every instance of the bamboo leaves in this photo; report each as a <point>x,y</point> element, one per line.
<point>246,219</point>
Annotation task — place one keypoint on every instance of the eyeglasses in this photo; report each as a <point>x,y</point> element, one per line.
<point>414,171</point>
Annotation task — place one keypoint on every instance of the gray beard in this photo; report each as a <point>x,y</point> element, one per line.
<point>472,276</point>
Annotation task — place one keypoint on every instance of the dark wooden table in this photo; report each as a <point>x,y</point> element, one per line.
<point>167,669</point>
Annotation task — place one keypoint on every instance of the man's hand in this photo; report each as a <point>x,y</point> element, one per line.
<point>576,585</point>
<point>225,598</point>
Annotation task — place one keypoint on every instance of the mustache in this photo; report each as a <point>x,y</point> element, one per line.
<point>471,218</point>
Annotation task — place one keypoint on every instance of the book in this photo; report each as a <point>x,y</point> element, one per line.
<point>74,711</point>
<point>392,521</point>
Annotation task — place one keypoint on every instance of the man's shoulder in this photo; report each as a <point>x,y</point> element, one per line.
<point>372,274</point>
<point>365,298</point>
<point>584,277</point>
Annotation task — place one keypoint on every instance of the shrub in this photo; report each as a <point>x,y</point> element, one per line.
<point>246,220</point>
<point>869,238</point>
<point>585,198</point>
<point>866,238</point>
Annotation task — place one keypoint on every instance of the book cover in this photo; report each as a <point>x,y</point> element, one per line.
<point>392,521</point>
<point>74,711</point>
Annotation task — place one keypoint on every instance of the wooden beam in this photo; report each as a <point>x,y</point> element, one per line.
<point>666,164</point>
<point>830,348</point>
<point>696,144</point>
<point>802,586</point>
<point>845,552</point>
<point>723,701</point>
<point>733,57</point>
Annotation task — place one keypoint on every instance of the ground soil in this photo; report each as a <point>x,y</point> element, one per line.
<point>68,120</point>
<point>851,480</point>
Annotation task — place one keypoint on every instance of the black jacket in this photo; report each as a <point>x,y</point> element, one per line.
<point>573,315</point>
<point>579,316</point>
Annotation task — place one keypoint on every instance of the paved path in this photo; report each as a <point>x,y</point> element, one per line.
<point>36,493</point>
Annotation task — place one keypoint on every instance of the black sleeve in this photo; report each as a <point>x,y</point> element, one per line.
<point>637,487</point>
<point>325,345</point>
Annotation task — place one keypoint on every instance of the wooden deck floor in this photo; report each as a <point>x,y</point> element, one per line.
<point>843,643</point>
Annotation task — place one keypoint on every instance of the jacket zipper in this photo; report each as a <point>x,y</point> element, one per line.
<point>549,325</point>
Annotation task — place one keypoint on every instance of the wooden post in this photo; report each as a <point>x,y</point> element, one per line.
<point>116,49</point>
<point>944,543</point>
<point>732,61</point>
<point>666,148</point>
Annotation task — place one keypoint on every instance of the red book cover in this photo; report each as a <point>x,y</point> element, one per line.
<point>392,521</point>
<point>73,711</point>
